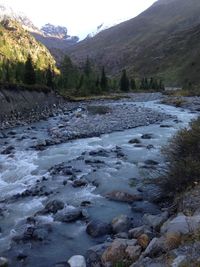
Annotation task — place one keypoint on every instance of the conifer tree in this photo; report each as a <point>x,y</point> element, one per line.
<point>49,77</point>
<point>124,82</point>
<point>104,80</point>
<point>29,72</point>
<point>87,67</point>
<point>133,84</point>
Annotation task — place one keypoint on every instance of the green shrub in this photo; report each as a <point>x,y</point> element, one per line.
<point>183,159</point>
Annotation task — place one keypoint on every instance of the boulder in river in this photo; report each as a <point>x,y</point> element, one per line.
<point>97,228</point>
<point>69,215</point>
<point>121,223</point>
<point>8,150</point>
<point>53,206</point>
<point>123,196</point>
<point>147,136</point>
<point>77,261</point>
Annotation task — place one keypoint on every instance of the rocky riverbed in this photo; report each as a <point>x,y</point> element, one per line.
<point>93,197</point>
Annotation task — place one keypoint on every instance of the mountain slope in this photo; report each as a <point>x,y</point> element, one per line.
<point>16,44</point>
<point>148,43</point>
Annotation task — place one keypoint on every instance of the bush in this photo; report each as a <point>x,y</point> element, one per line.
<point>183,159</point>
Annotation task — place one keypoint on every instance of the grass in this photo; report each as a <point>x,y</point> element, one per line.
<point>182,155</point>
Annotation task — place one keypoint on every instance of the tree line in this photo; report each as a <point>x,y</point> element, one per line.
<point>85,80</point>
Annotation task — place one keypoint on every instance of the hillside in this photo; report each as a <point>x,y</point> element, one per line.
<point>160,41</point>
<point>16,44</point>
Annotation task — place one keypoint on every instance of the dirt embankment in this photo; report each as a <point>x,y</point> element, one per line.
<point>20,104</point>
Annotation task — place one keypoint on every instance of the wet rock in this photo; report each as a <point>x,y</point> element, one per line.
<point>79,183</point>
<point>4,262</point>
<point>123,196</point>
<point>165,126</point>
<point>85,203</point>
<point>151,162</point>
<point>149,147</point>
<point>94,254</point>
<point>155,221</point>
<point>77,261</point>
<point>33,233</point>
<point>147,136</point>
<point>69,215</point>
<point>94,162</point>
<point>122,235</point>
<point>121,224</point>
<point>53,206</point>
<point>98,228</point>
<point>100,153</point>
<point>134,141</point>
<point>8,150</point>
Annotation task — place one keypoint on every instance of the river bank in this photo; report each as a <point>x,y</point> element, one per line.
<point>78,197</point>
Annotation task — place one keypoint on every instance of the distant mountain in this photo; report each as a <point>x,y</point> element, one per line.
<point>8,12</point>
<point>158,42</point>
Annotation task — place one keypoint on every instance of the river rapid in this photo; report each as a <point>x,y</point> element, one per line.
<point>30,178</point>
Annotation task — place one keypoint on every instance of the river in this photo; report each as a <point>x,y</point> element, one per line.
<point>122,168</point>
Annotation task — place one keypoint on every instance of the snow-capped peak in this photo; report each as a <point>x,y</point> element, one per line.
<point>8,12</point>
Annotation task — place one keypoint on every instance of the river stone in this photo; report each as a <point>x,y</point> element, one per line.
<point>98,228</point>
<point>77,261</point>
<point>177,225</point>
<point>8,150</point>
<point>155,221</point>
<point>79,183</point>
<point>155,248</point>
<point>123,196</point>
<point>94,254</point>
<point>134,141</point>
<point>147,136</point>
<point>116,252</point>
<point>69,215</point>
<point>54,205</point>
<point>121,224</point>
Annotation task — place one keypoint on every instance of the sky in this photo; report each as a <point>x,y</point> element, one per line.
<point>79,16</point>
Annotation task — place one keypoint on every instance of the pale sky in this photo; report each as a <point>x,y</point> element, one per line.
<point>79,16</point>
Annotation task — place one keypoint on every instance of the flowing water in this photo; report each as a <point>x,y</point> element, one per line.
<point>27,167</point>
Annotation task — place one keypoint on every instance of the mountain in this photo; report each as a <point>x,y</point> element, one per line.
<point>16,44</point>
<point>158,42</point>
<point>8,12</point>
<point>55,38</point>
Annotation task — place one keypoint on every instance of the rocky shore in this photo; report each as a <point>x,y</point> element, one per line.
<point>14,114</point>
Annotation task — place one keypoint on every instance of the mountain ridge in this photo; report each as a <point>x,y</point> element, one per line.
<point>133,44</point>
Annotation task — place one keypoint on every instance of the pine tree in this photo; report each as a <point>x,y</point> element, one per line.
<point>49,77</point>
<point>124,82</point>
<point>104,80</point>
<point>133,84</point>
<point>87,67</point>
<point>29,72</point>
